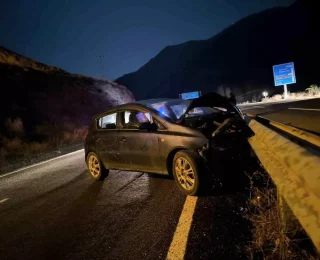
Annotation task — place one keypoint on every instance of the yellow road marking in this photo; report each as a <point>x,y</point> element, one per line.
<point>178,245</point>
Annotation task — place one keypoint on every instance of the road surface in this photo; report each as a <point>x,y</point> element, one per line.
<point>303,114</point>
<point>56,211</point>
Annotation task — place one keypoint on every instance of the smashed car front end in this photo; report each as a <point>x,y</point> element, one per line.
<point>230,137</point>
<point>227,131</point>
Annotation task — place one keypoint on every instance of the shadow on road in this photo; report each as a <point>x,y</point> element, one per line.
<point>159,176</point>
<point>85,203</point>
<point>227,176</point>
<point>219,229</point>
<point>72,224</point>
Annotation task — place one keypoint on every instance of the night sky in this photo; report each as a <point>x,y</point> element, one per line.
<point>73,34</point>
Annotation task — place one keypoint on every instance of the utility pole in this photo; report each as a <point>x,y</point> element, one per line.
<point>102,65</point>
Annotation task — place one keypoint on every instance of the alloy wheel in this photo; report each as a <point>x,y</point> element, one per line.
<point>185,173</point>
<point>94,166</point>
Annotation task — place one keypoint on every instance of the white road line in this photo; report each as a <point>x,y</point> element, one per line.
<point>1,201</point>
<point>34,165</point>
<point>244,108</point>
<point>178,245</point>
<point>258,107</point>
<point>305,109</point>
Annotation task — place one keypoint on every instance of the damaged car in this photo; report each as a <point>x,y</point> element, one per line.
<point>167,136</point>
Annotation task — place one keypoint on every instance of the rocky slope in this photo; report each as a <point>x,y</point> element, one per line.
<point>41,94</point>
<point>240,58</point>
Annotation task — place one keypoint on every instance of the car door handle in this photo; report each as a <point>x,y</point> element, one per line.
<point>122,140</point>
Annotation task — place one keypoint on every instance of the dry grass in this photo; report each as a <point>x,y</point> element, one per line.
<point>275,236</point>
<point>36,147</point>
<point>17,145</point>
<point>13,149</point>
<point>72,137</point>
<point>12,58</point>
<point>13,145</point>
<point>312,92</point>
<point>291,96</point>
<point>14,126</point>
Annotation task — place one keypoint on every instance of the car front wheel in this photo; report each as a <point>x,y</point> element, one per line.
<point>186,167</point>
<point>96,170</point>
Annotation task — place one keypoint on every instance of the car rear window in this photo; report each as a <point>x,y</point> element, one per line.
<point>108,122</point>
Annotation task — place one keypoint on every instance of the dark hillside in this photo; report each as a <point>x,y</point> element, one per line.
<point>240,58</point>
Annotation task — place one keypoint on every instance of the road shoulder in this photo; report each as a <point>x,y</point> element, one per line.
<point>40,158</point>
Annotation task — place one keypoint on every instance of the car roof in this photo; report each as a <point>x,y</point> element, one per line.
<point>137,104</point>
<point>156,100</point>
<point>131,105</point>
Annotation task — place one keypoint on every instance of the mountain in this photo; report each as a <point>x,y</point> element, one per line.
<point>43,95</point>
<point>238,59</point>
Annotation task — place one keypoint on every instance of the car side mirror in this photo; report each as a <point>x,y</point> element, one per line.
<point>148,126</point>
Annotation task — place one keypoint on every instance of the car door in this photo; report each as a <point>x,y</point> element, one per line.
<point>107,142</point>
<point>140,146</point>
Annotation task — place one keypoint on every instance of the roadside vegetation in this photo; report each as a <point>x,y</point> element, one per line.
<point>17,144</point>
<point>311,92</point>
<point>276,233</point>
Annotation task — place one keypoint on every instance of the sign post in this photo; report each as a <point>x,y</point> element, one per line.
<point>284,74</point>
<point>285,91</point>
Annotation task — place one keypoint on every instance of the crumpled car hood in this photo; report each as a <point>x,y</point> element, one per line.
<point>212,99</point>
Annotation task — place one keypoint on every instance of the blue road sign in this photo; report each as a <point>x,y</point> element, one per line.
<point>190,95</point>
<point>284,74</point>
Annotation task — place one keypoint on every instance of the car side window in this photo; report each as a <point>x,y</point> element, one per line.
<point>108,122</point>
<point>132,119</point>
<point>159,125</point>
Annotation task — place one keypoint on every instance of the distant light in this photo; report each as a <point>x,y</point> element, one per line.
<point>265,94</point>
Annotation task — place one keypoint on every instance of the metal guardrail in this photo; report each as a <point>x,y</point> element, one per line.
<point>294,170</point>
<point>303,135</point>
<point>299,134</point>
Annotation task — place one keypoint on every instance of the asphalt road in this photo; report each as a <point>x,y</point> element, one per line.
<point>56,211</point>
<point>303,114</point>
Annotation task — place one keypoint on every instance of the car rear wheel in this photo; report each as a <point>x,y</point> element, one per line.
<point>96,170</point>
<point>186,167</point>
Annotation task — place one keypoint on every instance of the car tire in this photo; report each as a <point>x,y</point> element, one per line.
<point>96,169</point>
<point>186,168</point>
